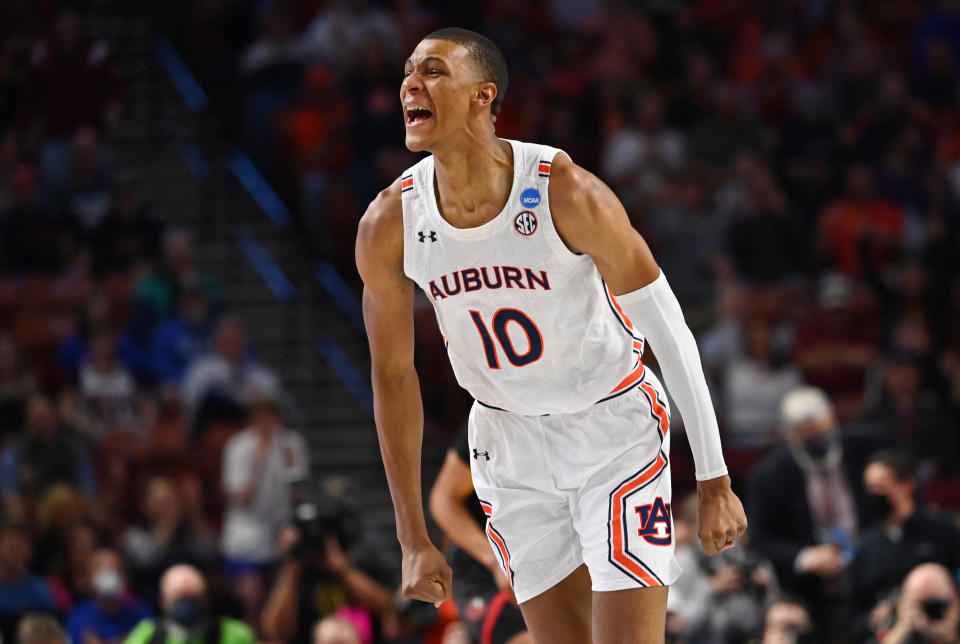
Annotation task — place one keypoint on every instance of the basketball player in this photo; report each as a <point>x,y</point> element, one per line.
<point>545,295</point>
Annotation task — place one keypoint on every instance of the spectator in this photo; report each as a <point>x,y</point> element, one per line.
<point>860,212</point>
<point>126,241</point>
<point>66,71</point>
<point>70,581</point>
<point>98,315</point>
<point>913,416</point>
<point>62,509</point>
<point>903,533</point>
<point>219,385</point>
<point>835,344</point>
<point>186,614</point>
<point>754,386</point>
<point>928,610</point>
<point>91,189</point>
<point>20,590</point>
<point>764,239</point>
<point>159,295</point>
<point>16,384</point>
<point>37,628</point>
<point>638,158</point>
<point>182,339</point>
<point>113,611</point>
<point>34,238</point>
<point>335,630</point>
<point>106,402</point>
<point>170,535</point>
<point>802,497</point>
<point>787,622</point>
<point>341,30</point>
<point>259,466</point>
<point>42,456</point>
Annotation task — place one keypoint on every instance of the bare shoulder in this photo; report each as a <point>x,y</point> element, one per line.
<point>581,204</point>
<point>379,249</point>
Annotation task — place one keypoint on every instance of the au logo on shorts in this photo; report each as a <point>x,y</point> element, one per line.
<point>656,526</point>
<point>525,223</point>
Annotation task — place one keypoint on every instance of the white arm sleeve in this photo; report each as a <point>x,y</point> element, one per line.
<point>655,312</point>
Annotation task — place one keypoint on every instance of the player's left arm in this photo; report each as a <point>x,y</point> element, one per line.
<point>590,219</point>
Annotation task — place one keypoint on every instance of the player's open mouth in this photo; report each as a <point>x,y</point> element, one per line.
<point>415,116</point>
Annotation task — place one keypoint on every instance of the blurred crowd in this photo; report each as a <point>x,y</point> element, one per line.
<point>794,165</point>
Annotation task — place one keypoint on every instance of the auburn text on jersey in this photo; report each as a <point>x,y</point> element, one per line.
<point>488,277</point>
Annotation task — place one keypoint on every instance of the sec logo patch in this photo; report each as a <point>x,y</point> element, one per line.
<point>525,223</point>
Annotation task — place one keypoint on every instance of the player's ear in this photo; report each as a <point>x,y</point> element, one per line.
<point>486,93</point>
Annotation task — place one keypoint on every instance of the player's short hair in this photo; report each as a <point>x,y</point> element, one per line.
<point>486,56</point>
<point>903,465</point>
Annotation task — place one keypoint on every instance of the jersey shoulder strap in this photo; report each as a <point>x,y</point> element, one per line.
<point>413,194</point>
<point>536,160</point>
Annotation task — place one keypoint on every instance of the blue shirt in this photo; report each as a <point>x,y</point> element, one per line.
<point>89,617</point>
<point>175,345</point>
<point>30,595</point>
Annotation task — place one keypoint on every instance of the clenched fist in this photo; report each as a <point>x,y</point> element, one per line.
<point>426,575</point>
<point>720,515</point>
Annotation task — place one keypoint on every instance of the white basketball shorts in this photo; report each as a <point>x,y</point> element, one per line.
<point>587,487</point>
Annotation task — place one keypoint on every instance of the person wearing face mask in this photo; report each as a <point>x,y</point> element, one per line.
<point>112,611</point>
<point>803,498</point>
<point>929,609</point>
<point>186,615</point>
<point>902,532</point>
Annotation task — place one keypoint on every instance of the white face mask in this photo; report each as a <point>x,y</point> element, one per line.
<point>107,583</point>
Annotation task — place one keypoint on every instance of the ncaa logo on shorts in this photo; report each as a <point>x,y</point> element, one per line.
<point>530,198</point>
<point>525,223</point>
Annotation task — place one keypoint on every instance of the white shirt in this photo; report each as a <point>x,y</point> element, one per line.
<point>250,530</point>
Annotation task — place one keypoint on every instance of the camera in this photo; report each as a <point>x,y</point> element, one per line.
<point>935,608</point>
<point>328,509</point>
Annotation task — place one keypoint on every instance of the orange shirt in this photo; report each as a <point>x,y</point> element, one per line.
<point>841,224</point>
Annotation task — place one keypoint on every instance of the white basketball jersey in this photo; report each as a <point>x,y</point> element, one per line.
<point>530,327</point>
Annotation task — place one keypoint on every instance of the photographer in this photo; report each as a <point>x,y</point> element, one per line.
<point>929,609</point>
<point>317,579</point>
<point>787,621</point>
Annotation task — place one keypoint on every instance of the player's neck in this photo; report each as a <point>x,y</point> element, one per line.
<point>474,177</point>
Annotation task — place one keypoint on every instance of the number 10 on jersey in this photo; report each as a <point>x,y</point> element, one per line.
<point>501,319</point>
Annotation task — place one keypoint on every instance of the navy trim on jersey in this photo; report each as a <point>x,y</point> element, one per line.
<point>492,407</point>
<point>630,388</point>
<point>613,310</point>
<point>625,533</point>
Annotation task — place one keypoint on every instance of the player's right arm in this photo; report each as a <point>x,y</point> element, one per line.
<point>398,408</point>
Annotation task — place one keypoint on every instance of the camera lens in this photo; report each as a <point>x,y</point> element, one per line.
<point>935,608</point>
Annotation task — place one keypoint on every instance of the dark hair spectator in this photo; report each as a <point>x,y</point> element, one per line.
<point>112,611</point>
<point>21,591</point>
<point>902,534</point>
<point>219,385</point>
<point>173,532</point>
<point>42,456</point>
<point>16,385</point>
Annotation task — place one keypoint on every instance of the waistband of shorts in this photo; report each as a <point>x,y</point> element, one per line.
<point>602,401</point>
